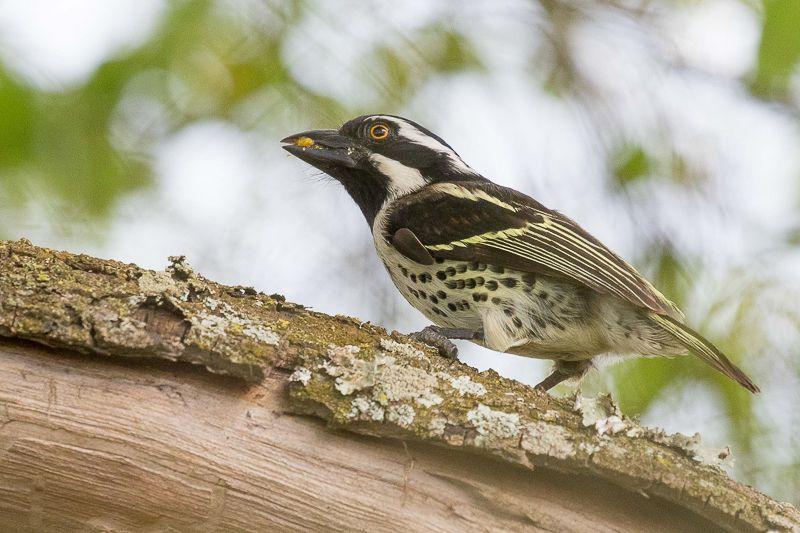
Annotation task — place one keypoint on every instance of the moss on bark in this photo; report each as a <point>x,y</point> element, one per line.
<point>357,377</point>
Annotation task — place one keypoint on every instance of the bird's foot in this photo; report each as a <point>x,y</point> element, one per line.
<point>439,338</point>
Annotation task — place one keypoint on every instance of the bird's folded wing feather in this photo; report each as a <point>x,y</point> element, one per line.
<point>483,222</point>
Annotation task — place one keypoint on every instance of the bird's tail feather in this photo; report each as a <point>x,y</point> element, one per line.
<point>704,350</point>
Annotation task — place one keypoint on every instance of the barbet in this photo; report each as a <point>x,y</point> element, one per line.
<point>489,264</point>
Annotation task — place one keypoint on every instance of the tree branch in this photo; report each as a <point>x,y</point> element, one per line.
<point>131,440</point>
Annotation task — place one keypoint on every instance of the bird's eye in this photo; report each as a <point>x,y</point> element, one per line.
<point>379,132</point>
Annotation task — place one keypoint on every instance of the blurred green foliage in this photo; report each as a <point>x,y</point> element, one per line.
<point>779,50</point>
<point>89,145</point>
<point>85,147</point>
<point>631,163</point>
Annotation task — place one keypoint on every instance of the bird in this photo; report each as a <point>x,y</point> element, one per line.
<point>491,265</point>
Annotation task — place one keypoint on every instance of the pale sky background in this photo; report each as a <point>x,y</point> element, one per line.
<point>244,212</point>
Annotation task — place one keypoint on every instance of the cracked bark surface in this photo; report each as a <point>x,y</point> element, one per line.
<point>141,400</point>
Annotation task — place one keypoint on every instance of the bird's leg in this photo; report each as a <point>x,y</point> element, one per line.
<point>439,338</point>
<point>563,371</point>
<point>552,380</point>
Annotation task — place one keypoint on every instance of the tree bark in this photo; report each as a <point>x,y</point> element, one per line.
<point>162,401</point>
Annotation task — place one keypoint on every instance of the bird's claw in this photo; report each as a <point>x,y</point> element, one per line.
<point>433,337</point>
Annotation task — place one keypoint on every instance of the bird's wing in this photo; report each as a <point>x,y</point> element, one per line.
<point>479,221</point>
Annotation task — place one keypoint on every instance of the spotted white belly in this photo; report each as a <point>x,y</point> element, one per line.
<point>513,309</point>
<point>522,313</point>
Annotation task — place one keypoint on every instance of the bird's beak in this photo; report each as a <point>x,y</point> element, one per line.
<point>322,148</point>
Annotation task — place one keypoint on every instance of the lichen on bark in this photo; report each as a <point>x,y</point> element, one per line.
<point>358,377</point>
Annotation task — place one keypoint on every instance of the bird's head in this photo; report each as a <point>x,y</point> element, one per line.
<point>378,158</point>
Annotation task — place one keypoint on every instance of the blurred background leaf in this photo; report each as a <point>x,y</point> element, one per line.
<point>631,163</point>
<point>779,51</point>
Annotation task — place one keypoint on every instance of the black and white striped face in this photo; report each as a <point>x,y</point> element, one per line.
<point>408,155</point>
<point>379,158</point>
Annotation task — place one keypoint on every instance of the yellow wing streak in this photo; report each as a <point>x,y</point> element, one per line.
<point>557,245</point>
<point>474,195</point>
<point>612,269</point>
<point>575,268</point>
<point>558,264</point>
<point>483,238</point>
<point>623,282</point>
<point>598,253</point>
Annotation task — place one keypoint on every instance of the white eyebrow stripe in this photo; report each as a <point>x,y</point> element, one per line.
<point>410,132</point>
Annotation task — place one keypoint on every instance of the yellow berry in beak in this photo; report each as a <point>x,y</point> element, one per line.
<point>304,142</point>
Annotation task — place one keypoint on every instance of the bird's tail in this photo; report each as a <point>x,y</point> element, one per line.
<point>704,350</point>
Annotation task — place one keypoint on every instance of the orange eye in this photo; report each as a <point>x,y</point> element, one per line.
<point>379,132</point>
